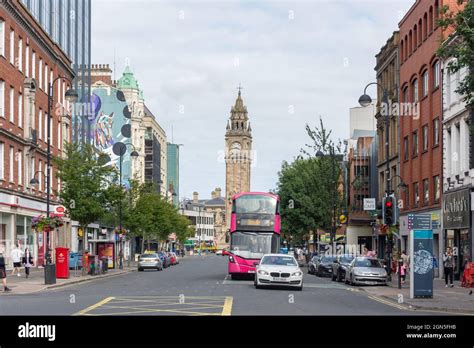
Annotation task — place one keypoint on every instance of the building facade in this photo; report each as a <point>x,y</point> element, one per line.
<point>68,23</point>
<point>238,153</point>
<point>201,219</point>
<point>172,172</point>
<point>29,61</point>
<point>420,128</point>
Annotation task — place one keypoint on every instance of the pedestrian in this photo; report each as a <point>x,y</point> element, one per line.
<point>405,265</point>
<point>27,262</point>
<point>448,263</point>
<point>3,272</point>
<point>17,256</point>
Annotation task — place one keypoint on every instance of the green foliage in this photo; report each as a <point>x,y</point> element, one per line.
<point>460,45</point>
<point>88,188</point>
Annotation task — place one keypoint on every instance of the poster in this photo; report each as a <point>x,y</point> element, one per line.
<point>41,239</point>
<point>421,275</point>
<point>106,250</point>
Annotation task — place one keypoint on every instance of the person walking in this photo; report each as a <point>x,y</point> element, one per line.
<point>3,272</point>
<point>27,262</point>
<point>448,263</point>
<point>405,265</point>
<point>17,256</point>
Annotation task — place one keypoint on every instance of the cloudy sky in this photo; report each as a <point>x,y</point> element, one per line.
<point>296,61</point>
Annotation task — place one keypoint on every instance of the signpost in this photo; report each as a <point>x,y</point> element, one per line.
<point>369,204</point>
<point>421,254</point>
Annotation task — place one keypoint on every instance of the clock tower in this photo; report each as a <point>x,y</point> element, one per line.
<point>238,153</point>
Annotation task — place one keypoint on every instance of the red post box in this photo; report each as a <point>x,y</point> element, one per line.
<point>62,263</point>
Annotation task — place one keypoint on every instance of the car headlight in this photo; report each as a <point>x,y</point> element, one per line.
<point>262,272</point>
<point>296,274</point>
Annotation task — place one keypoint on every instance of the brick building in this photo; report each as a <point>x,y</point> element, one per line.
<point>420,129</point>
<point>29,62</point>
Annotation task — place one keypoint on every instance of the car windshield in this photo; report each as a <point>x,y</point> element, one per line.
<point>367,263</point>
<point>252,245</point>
<point>346,259</point>
<point>256,204</point>
<point>149,256</point>
<point>327,259</point>
<point>279,261</point>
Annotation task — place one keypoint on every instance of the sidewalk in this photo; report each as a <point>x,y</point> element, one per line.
<point>456,299</point>
<point>35,282</point>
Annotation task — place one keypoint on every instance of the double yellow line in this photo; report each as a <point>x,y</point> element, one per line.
<point>388,303</point>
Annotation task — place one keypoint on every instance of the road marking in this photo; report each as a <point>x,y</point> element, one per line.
<point>97,305</point>
<point>388,303</point>
<point>227,310</point>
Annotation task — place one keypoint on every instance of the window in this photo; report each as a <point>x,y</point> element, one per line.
<point>12,105</point>
<point>20,168</point>
<point>40,124</point>
<point>405,148</point>
<point>425,138</point>
<point>40,74</point>
<point>2,98</point>
<point>415,143</point>
<point>27,61</point>
<point>33,65</point>
<point>20,110</point>
<point>12,47</point>
<point>59,135</point>
<point>425,83</point>
<point>414,86</point>
<point>32,168</point>
<point>20,54</point>
<point>436,72</point>
<point>12,155</point>
<point>426,192</point>
<point>40,176</point>
<point>406,204</point>
<point>416,194</point>
<point>46,78</point>
<point>2,161</point>
<point>436,188</point>
<point>436,132</point>
<point>45,127</point>
<point>2,38</point>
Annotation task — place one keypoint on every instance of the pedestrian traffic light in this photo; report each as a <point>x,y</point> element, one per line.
<point>388,211</point>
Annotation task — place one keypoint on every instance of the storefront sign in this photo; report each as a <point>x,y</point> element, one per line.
<point>421,274</point>
<point>456,209</point>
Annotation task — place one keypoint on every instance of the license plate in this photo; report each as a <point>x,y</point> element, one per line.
<point>251,271</point>
<point>276,279</point>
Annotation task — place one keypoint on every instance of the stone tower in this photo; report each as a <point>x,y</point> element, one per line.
<point>238,153</point>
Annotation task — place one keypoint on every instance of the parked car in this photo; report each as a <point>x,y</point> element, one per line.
<point>340,265</point>
<point>323,265</point>
<point>312,264</point>
<point>149,261</point>
<point>164,259</point>
<point>75,260</point>
<point>366,270</point>
<point>278,269</point>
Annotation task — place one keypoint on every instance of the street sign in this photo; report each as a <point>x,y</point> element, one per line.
<point>59,210</point>
<point>419,221</point>
<point>369,204</point>
<point>421,272</point>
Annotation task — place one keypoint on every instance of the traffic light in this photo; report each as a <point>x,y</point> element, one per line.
<point>388,211</point>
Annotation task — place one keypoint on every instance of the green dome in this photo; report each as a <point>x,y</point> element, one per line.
<point>128,80</point>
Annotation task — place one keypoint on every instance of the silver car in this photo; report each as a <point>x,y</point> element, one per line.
<point>149,261</point>
<point>366,270</point>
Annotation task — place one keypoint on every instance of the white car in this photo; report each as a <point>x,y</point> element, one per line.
<point>280,270</point>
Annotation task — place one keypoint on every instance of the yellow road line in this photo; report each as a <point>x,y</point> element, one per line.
<point>227,310</point>
<point>388,303</point>
<point>98,304</point>
<point>150,310</point>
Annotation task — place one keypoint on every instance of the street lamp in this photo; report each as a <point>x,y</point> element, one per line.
<point>120,150</point>
<point>365,101</point>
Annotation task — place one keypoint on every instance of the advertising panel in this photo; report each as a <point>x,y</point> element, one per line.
<point>421,272</point>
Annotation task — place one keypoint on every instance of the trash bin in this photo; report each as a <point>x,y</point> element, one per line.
<point>62,263</point>
<point>49,274</point>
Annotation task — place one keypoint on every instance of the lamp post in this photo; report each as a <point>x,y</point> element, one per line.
<point>365,100</point>
<point>121,149</point>
<point>71,96</point>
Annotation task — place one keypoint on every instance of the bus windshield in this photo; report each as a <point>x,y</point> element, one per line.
<point>252,245</point>
<point>255,204</point>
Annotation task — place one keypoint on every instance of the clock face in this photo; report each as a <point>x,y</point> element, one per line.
<point>235,148</point>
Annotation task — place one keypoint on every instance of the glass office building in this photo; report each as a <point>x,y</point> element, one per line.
<point>68,22</point>
<point>173,171</point>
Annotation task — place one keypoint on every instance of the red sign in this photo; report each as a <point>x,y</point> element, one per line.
<point>59,210</point>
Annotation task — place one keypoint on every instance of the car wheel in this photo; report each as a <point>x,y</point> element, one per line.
<point>255,283</point>
<point>140,270</point>
<point>300,288</point>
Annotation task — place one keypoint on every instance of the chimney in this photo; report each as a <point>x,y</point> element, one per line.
<point>218,192</point>
<point>195,197</point>
<point>101,72</point>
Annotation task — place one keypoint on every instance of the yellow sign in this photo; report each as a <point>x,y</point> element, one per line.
<point>80,232</point>
<point>343,219</point>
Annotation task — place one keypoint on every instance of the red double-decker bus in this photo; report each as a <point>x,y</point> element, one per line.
<point>254,230</point>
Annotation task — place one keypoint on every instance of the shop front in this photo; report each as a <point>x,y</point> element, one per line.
<point>457,227</point>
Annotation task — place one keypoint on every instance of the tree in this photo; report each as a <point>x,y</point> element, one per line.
<point>88,188</point>
<point>460,45</point>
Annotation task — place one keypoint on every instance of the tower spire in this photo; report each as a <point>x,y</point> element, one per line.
<point>239,88</point>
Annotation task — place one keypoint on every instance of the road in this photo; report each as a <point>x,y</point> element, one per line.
<point>197,286</point>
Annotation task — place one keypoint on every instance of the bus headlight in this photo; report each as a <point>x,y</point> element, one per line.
<point>262,272</point>
<point>296,274</point>
<point>231,259</point>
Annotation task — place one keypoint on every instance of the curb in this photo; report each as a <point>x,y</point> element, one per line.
<point>410,306</point>
<point>54,286</point>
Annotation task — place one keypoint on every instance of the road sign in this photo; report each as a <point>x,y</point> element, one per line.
<point>369,203</point>
<point>59,210</point>
<point>419,221</point>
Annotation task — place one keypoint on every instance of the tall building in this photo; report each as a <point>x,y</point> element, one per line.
<point>238,152</point>
<point>29,61</point>
<point>420,130</point>
<point>68,23</point>
<point>173,172</point>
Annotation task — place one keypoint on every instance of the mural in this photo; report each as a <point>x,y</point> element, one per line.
<point>110,124</point>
